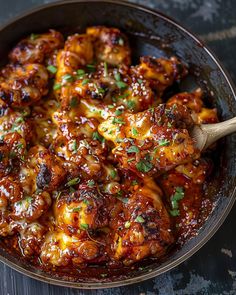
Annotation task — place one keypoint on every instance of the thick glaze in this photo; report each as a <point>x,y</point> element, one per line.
<point>96,168</point>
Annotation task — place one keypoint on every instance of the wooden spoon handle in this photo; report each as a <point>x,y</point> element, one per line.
<point>218,130</point>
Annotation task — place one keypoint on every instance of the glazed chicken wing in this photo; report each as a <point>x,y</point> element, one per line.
<point>152,141</point>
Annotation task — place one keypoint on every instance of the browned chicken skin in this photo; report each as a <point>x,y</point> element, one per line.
<point>96,168</point>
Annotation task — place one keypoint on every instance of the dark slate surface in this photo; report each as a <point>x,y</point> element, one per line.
<point>213,269</point>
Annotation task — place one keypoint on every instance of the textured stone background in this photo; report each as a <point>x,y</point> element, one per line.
<point>213,269</point>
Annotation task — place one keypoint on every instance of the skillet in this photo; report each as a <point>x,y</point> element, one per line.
<point>150,33</point>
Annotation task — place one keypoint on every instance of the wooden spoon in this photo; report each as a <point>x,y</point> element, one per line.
<point>206,134</point>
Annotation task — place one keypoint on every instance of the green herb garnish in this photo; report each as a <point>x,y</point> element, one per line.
<point>163,142</point>
<point>77,209</point>
<point>139,219</point>
<point>73,181</point>
<point>118,112</point>
<point>133,149</point>
<point>97,136</point>
<point>85,81</point>
<point>174,212</point>
<point>84,226</point>
<point>144,166</point>
<point>118,121</point>
<point>52,69</point>
<point>105,69</point>
<point>57,86</point>
<point>131,104</point>
<point>140,81</point>
<point>91,183</point>
<point>178,195</point>
<point>33,36</point>
<point>134,131</point>
<point>113,174</point>
<point>80,73</point>
<point>121,85</point>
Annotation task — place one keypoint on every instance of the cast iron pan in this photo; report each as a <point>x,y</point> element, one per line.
<point>151,33</point>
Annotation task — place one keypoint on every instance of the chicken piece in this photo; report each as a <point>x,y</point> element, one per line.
<point>194,102</point>
<point>183,187</point>
<point>84,209</point>
<point>78,52</point>
<point>146,229</point>
<point>81,45</point>
<point>110,45</point>
<point>31,239</point>
<point>23,85</point>
<point>60,249</point>
<point>36,47</point>
<point>10,192</point>
<point>12,150</point>
<point>30,208</point>
<point>42,170</point>
<point>16,122</point>
<point>151,141</point>
<point>160,72</point>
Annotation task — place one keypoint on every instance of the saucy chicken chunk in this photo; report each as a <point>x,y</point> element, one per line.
<point>97,167</point>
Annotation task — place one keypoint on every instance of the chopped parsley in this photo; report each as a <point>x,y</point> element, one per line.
<point>91,183</point>
<point>77,209</point>
<point>57,86</point>
<point>163,142</point>
<point>144,166</point>
<point>140,81</point>
<point>174,212</point>
<point>139,219</point>
<point>117,76</point>
<point>19,120</point>
<point>52,69</point>
<point>84,226</point>
<point>113,174</point>
<point>86,202</point>
<point>33,36</point>
<point>178,195</point>
<point>85,82</point>
<point>68,78</point>
<point>97,136</point>
<point>118,121</point>
<point>118,112</point>
<point>131,104</point>
<point>123,95</point>
<point>80,73</point>
<point>73,181</point>
<point>74,146</point>
<point>134,131</point>
<point>20,146</point>
<point>169,125</point>
<point>121,85</point>
<point>105,69</point>
<point>133,149</point>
